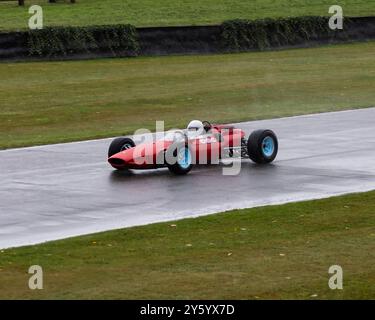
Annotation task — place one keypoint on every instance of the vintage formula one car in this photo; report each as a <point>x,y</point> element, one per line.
<point>201,143</point>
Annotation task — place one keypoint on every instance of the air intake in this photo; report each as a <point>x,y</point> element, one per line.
<point>116,161</point>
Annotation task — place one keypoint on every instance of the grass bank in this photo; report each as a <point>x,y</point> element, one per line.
<point>46,102</point>
<point>170,12</point>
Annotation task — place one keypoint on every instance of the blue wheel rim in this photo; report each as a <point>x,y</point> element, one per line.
<point>268,146</point>
<point>184,158</point>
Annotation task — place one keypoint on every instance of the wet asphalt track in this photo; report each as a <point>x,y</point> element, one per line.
<point>57,191</point>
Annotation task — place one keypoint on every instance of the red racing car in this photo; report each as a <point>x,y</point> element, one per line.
<point>201,143</point>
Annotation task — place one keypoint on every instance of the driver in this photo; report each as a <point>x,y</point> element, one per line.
<point>195,129</point>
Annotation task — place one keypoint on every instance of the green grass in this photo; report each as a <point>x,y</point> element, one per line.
<point>274,252</point>
<point>47,102</point>
<point>171,12</point>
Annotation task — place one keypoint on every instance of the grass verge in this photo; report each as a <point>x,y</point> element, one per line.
<point>47,102</point>
<point>273,252</point>
<point>170,12</point>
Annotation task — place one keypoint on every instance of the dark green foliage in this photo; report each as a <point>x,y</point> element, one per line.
<point>120,38</point>
<point>241,35</point>
<point>62,41</point>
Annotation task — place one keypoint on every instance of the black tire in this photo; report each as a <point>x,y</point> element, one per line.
<point>256,148</point>
<point>171,159</point>
<point>120,144</point>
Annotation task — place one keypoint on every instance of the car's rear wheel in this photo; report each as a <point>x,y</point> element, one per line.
<point>179,158</point>
<point>120,144</point>
<point>262,146</point>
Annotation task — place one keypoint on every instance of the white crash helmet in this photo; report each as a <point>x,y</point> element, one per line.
<point>195,128</point>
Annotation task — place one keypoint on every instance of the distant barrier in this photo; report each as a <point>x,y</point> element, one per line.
<point>231,36</point>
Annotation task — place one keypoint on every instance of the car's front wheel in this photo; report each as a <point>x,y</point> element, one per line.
<point>120,144</point>
<point>179,159</point>
<point>262,146</point>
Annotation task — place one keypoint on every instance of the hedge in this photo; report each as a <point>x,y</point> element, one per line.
<point>241,35</point>
<point>63,41</point>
